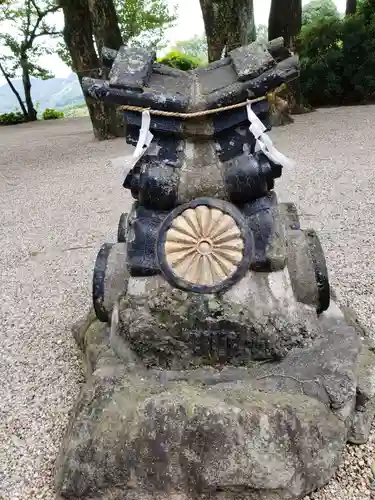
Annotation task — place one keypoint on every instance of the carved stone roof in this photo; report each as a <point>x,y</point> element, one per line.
<point>135,78</point>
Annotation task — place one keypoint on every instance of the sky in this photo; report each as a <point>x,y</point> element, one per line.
<point>189,23</point>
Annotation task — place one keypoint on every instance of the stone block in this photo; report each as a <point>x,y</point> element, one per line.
<point>132,68</point>
<point>251,61</point>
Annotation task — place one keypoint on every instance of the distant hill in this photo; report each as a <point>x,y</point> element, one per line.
<point>56,93</point>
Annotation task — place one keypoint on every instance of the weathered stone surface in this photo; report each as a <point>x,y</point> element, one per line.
<point>249,71</point>
<point>365,400</point>
<point>326,371</point>
<point>154,97</point>
<point>267,431</point>
<point>185,438</point>
<point>110,278</point>
<point>361,426</point>
<point>178,330</point>
<point>108,56</point>
<point>132,68</point>
<point>277,49</point>
<point>251,61</point>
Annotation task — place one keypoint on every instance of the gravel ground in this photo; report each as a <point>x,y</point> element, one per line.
<point>59,202</point>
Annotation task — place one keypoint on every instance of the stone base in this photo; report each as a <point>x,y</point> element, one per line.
<point>257,319</point>
<point>270,430</point>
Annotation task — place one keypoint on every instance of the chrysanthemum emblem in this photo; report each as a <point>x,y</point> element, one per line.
<point>204,246</point>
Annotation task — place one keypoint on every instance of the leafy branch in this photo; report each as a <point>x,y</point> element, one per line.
<point>144,19</point>
<point>30,36</point>
<point>21,27</point>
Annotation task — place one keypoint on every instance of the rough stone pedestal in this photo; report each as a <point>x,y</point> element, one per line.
<point>271,430</point>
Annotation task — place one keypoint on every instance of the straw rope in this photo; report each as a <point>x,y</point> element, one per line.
<point>195,114</point>
<point>270,96</point>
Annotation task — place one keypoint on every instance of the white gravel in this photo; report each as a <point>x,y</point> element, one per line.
<point>59,202</point>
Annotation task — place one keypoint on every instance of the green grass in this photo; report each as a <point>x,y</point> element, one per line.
<point>75,111</point>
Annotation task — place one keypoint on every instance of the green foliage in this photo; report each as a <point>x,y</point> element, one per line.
<point>180,60</point>
<point>316,10</point>
<point>63,52</point>
<point>144,22</point>
<point>337,58</point>
<point>195,47</point>
<point>52,114</point>
<point>23,28</point>
<point>12,118</point>
<point>319,47</point>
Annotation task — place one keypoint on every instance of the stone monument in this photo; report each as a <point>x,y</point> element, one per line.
<point>219,365</point>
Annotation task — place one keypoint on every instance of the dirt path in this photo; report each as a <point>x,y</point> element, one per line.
<point>59,202</point>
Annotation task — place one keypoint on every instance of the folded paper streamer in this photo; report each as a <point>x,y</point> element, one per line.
<point>144,141</point>
<point>264,142</point>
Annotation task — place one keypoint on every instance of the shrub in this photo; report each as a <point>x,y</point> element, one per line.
<point>337,58</point>
<point>320,51</point>
<point>12,118</point>
<point>180,60</point>
<point>319,9</point>
<point>358,47</point>
<point>52,114</point>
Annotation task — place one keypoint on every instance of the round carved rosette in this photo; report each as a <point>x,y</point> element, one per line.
<point>204,246</point>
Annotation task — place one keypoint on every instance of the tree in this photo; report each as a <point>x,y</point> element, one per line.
<point>338,58</point>
<point>23,29</point>
<point>79,40</point>
<point>351,7</point>
<point>135,22</point>
<point>285,20</point>
<point>319,9</point>
<point>105,24</point>
<point>105,28</point>
<point>92,24</point>
<point>228,24</point>
<point>194,47</point>
<point>143,22</point>
<point>107,33</point>
<point>8,74</point>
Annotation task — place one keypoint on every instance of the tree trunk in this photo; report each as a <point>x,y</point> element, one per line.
<point>79,39</point>
<point>105,24</point>
<point>228,24</point>
<point>15,92</point>
<point>351,7</point>
<point>31,111</point>
<point>251,28</point>
<point>107,34</point>
<point>285,20</point>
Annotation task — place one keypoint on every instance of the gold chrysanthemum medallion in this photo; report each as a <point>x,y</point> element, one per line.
<point>204,246</point>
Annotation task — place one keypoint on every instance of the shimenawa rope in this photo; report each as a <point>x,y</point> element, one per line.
<point>195,114</point>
